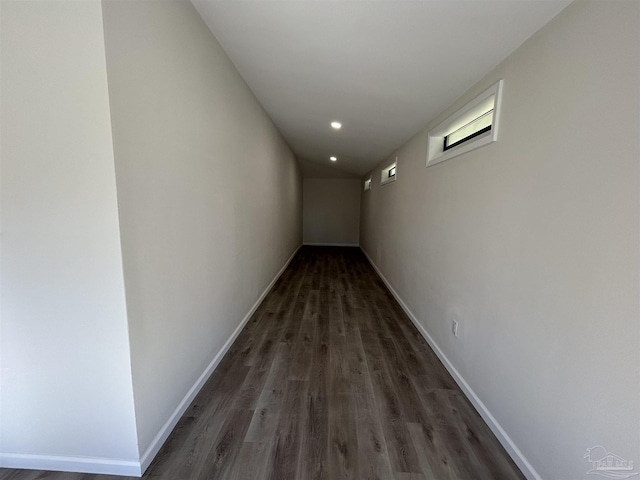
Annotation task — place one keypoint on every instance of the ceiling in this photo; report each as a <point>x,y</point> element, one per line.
<point>382,68</point>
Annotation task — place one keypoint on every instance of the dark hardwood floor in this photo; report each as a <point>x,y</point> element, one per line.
<point>328,380</point>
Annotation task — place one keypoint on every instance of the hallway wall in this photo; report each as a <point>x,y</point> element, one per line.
<point>331,211</point>
<point>531,243</point>
<point>209,195</point>
<point>66,398</point>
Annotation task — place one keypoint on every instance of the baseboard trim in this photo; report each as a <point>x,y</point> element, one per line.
<point>502,436</point>
<point>71,464</point>
<point>168,427</point>
<point>332,244</point>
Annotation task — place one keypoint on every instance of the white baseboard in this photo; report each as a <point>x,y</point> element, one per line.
<point>71,464</point>
<point>332,244</point>
<point>167,428</point>
<point>502,436</point>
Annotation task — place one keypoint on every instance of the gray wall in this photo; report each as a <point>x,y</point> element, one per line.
<point>66,397</point>
<point>532,242</point>
<point>331,211</point>
<point>209,196</point>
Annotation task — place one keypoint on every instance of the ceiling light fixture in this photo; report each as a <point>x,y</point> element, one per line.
<point>333,159</point>
<point>336,125</point>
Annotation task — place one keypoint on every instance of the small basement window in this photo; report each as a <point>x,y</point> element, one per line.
<point>475,127</point>
<point>367,184</point>
<point>471,127</point>
<point>388,174</point>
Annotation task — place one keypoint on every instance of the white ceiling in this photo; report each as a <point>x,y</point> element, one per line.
<point>382,68</point>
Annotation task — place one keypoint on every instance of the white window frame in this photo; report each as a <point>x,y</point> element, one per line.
<point>367,184</point>
<point>473,109</point>
<point>384,175</point>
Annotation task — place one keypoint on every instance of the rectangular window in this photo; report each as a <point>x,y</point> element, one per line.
<point>472,126</point>
<point>475,127</point>
<point>388,174</point>
<point>367,184</point>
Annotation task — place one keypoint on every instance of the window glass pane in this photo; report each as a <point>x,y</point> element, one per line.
<point>470,128</point>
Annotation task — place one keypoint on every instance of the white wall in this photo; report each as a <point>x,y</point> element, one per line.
<point>532,242</point>
<point>209,197</point>
<point>331,211</point>
<point>64,353</point>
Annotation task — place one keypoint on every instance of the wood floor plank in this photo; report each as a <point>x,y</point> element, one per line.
<point>328,380</point>
<point>269,405</point>
<point>226,446</point>
<point>304,345</point>
<point>314,443</point>
<point>343,437</point>
<point>409,476</point>
<point>252,461</point>
<point>373,456</point>
<point>401,450</point>
<point>286,444</point>
<point>436,463</point>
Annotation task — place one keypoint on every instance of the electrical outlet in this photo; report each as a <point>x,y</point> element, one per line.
<point>455,328</point>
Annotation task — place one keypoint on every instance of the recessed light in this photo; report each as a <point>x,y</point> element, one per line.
<point>336,125</point>
<point>333,159</point>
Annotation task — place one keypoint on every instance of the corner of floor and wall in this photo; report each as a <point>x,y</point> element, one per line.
<point>142,179</point>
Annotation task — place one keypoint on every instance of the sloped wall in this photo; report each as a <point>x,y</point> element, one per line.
<point>209,196</point>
